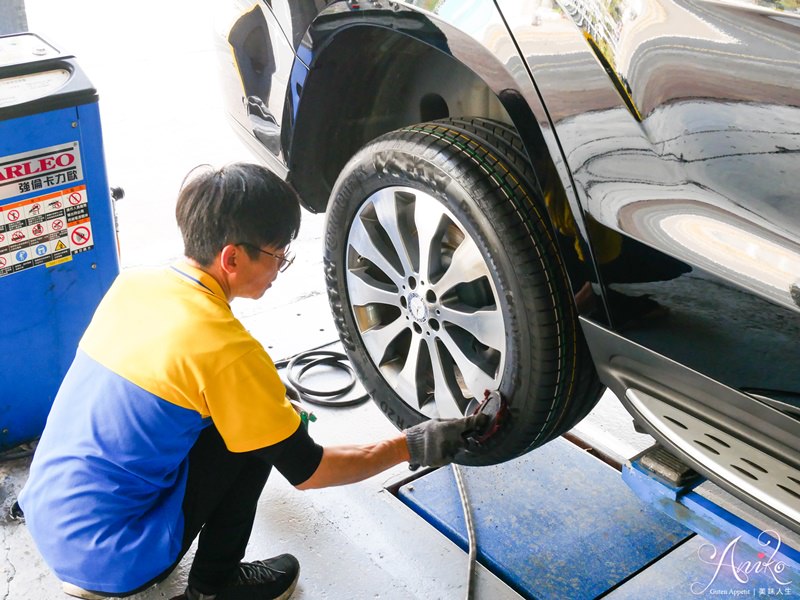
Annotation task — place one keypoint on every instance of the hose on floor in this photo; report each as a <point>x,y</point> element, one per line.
<point>471,537</point>
<point>21,451</point>
<point>298,367</point>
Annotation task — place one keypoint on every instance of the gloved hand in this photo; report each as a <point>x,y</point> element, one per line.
<point>434,443</point>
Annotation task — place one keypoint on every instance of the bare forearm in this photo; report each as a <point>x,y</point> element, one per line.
<point>348,464</point>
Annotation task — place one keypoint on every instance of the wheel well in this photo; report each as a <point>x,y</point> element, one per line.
<point>368,81</point>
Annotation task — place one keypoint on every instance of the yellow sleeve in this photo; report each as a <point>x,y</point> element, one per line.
<point>248,405</point>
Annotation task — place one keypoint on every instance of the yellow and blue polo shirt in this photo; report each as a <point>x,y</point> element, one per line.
<point>163,357</point>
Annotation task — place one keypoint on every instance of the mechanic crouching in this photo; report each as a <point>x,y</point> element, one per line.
<point>172,415</point>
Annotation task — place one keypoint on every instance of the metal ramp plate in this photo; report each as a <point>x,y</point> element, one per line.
<point>738,554</point>
<point>555,523</point>
<point>700,569</point>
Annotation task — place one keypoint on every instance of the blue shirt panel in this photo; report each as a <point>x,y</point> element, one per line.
<point>103,501</point>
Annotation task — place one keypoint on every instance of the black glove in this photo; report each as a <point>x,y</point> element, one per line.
<point>435,443</point>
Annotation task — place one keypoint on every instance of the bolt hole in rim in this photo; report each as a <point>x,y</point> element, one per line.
<point>425,302</point>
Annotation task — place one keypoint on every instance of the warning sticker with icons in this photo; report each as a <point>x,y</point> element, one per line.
<point>44,230</point>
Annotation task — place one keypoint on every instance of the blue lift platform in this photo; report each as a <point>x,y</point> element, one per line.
<point>561,523</point>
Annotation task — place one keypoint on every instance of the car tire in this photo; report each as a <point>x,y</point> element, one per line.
<point>444,281</point>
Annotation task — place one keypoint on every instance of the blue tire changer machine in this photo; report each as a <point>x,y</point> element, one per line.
<point>58,248</point>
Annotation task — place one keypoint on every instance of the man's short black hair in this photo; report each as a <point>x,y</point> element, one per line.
<point>240,203</point>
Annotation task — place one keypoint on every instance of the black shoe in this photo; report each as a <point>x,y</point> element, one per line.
<point>15,513</point>
<point>271,579</point>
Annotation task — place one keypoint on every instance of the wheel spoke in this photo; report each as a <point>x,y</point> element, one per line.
<point>406,381</point>
<point>486,325</point>
<point>428,219</point>
<point>446,402</point>
<point>385,202</point>
<point>474,377</point>
<point>377,339</point>
<point>467,265</point>
<point>361,242</point>
<point>363,291</point>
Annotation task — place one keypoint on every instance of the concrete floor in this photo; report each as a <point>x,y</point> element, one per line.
<point>153,65</point>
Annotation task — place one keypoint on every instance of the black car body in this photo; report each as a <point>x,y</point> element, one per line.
<point>627,172</point>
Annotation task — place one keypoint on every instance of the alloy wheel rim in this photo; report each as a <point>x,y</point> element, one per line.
<point>424,302</point>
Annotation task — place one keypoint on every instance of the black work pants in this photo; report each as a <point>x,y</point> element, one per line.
<point>222,492</point>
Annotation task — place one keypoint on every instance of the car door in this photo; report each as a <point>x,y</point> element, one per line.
<point>679,123</point>
<point>263,60</point>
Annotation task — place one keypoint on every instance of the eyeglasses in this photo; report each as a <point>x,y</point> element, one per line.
<point>286,260</point>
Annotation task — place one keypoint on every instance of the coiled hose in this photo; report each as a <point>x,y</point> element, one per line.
<point>298,367</point>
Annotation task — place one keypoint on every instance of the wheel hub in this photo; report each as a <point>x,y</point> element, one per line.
<point>417,308</point>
